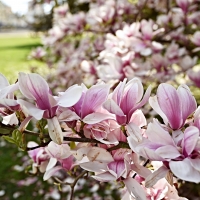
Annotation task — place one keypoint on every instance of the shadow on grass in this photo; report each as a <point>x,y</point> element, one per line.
<point>27,46</point>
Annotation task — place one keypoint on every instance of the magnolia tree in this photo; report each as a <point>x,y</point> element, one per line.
<point>105,132</point>
<point>104,125</point>
<point>155,40</point>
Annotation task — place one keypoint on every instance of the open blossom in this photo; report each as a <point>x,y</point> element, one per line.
<point>39,156</point>
<point>34,87</point>
<point>58,154</point>
<point>174,106</point>
<point>120,166</point>
<point>126,99</point>
<point>89,106</point>
<point>179,152</point>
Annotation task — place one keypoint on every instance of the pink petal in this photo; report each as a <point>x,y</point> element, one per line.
<point>70,97</point>
<point>94,166</point>
<point>48,174</point>
<point>138,118</point>
<point>154,177</point>
<point>130,97</point>
<point>170,104</point>
<point>96,118</point>
<point>153,101</point>
<point>31,109</point>
<point>99,154</point>
<point>157,134</point>
<point>67,116</point>
<point>33,86</point>
<point>104,177</point>
<point>134,132</point>
<point>168,152</point>
<point>141,103</point>
<point>188,102</point>
<point>113,108</point>
<point>184,170</point>
<point>190,138</point>
<point>117,167</point>
<point>135,189</point>
<point>118,92</point>
<point>94,98</point>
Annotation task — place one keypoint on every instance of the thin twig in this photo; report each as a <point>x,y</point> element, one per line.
<point>74,183</point>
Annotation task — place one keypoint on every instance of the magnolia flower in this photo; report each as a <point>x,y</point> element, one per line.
<point>88,108</point>
<point>58,153</point>
<point>179,152</point>
<point>39,156</point>
<point>174,106</point>
<point>126,99</point>
<point>36,88</point>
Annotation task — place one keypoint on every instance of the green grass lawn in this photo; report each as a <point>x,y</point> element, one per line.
<point>14,51</point>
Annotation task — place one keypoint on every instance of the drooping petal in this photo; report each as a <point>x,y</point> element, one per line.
<point>48,174</point>
<point>55,131</point>
<point>31,109</point>
<point>70,97</point>
<point>94,98</point>
<point>190,138</point>
<point>51,164</point>
<point>170,104</point>
<point>99,154</point>
<point>188,102</point>
<point>184,170</point>
<point>135,189</point>
<point>94,166</point>
<point>152,179</point>
<point>104,177</point>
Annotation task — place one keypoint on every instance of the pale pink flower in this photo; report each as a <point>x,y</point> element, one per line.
<point>174,106</point>
<point>126,99</point>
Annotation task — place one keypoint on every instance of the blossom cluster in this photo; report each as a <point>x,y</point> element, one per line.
<point>105,132</point>
<point>117,39</point>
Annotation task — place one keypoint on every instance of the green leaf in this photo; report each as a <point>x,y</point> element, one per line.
<point>9,139</point>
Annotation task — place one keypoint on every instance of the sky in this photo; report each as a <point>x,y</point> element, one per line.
<point>17,6</point>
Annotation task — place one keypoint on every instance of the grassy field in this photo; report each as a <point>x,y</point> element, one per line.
<point>14,51</point>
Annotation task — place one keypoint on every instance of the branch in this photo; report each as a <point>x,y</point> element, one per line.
<point>74,183</point>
